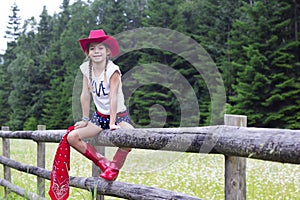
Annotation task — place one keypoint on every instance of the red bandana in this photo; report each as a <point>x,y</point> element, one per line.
<point>59,177</point>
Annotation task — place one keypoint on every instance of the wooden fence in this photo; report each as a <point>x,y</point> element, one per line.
<point>234,140</point>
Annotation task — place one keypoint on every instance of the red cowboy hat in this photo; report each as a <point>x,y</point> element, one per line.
<point>101,37</point>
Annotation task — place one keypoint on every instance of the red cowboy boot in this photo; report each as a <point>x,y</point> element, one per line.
<point>99,160</point>
<point>112,172</point>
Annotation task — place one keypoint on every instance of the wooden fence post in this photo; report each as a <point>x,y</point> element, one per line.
<point>235,167</point>
<point>6,153</point>
<point>96,171</point>
<point>41,162</point>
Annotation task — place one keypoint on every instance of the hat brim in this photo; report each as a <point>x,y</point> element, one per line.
<point>110,41</point>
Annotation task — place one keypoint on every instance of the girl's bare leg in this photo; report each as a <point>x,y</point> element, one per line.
<point>75,137</point>
<point>119,158</point>
<point>125,125</point>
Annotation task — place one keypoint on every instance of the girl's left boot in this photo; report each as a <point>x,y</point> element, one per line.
<point>112,172</point>
<point>101,161</point>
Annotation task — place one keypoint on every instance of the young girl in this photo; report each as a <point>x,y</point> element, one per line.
<point>102,80</point>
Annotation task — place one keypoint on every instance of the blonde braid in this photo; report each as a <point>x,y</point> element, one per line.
<point>105,69</point>
<point>90,75</point>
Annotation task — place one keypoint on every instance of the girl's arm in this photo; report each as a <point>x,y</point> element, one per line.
<point>85,103</point>
<point>85,98</point>
<point>114,85</point>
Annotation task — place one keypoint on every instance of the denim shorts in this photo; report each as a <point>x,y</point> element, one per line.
<point>103,122</point>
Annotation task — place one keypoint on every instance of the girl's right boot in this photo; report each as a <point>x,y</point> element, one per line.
<point>112,172</point>
<point>99,160</point>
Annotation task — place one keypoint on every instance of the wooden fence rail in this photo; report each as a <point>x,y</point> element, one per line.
<point>278,145</point>
<point>128,191</point>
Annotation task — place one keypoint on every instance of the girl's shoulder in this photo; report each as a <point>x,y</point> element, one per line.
<point>112,64</point>
<point>84,65</point>
<point>112,67</point>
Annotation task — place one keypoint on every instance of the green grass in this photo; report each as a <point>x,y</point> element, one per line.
<point>194,174</point>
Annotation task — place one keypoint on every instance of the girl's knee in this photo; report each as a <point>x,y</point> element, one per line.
<point>73,137</point>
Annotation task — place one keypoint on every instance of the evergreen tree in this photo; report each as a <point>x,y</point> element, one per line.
<point>13,28</point>
<point>134,12</point>
<point>209,23</point>
<point>283,102</point>
<point>44,30</point>
<point>54,112</point>
<point>12,33</point>
<point>255,45</point>
<point>5,88</point>
<point>153,103</point>
<point>110,15</point>
<point>29,77</point>
<point>268,86</point>
<point>30,124</point>
<point>20,99</point>
<point>166,14</point>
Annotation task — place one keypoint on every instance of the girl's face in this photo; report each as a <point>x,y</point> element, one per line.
<point>98,52</point>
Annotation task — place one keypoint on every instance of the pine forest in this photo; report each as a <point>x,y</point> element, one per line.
<point>254,45</point>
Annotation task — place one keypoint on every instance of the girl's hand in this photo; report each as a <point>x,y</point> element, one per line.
<point>113,127</point>
<point>81,124</point>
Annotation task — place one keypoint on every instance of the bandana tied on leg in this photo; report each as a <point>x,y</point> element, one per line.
<point>59,177</point>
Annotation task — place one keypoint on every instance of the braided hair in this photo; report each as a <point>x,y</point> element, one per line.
<point>90,75</point>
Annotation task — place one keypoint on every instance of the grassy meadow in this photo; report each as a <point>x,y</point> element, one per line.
<point>198,175</point>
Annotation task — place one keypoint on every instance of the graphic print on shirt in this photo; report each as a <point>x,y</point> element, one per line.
<point>99,89</point>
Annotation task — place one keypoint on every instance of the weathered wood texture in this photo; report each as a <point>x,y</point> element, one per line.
<point>6,153</point>
<point>235,167</point>
<point>38,136</point>
<point>41,151</point>
<point>267,144</point>
<point>279,145</point>
<point>20,191</point>
<point>115,188</point>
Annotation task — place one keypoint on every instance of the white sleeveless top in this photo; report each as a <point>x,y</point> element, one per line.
<point>101,90</point>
